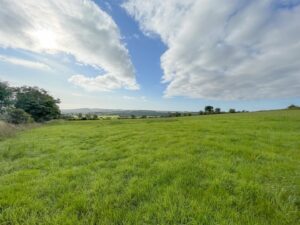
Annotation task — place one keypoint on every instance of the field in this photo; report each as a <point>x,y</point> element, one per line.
<point>221,169</point>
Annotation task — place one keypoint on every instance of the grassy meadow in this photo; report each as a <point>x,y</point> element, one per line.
<point>220,169</point>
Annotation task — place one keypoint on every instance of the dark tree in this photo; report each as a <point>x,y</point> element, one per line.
<point>217,110</point>
<point>209,109</point>
<point>293,107</point>
<point>38,103</point>
<point>6,94</point>
<point>201,112</point>
<point>231,110</point>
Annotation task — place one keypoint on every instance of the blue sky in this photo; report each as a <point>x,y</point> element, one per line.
<point>179,57</point>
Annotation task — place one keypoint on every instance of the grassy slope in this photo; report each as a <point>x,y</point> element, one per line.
<point>224,169</point>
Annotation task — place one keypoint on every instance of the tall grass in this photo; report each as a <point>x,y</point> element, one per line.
<point>6,130</point>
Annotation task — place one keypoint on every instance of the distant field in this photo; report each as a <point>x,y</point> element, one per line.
<point>222,169</point>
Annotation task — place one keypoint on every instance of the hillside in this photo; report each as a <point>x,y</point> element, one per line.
<point>220,169</point>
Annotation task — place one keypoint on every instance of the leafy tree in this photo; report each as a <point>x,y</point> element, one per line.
<point>18,116</point>
<point>177,114</point>
<point>95,117</point>
<point>231,110</point>
<point>209,109</point>
<point>88,116</point>
<point>38,103</point>
<point>6,94</point>
<point>217,110</point>
<point>133,116</point>
<point>201,112</point>
<point>293,107</point>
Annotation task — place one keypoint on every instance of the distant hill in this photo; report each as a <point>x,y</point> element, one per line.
<point>119,112</point>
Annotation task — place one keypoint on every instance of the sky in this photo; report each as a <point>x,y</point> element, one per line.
<point>157,55</point>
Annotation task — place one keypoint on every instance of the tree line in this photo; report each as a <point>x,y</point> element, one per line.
<point>26,104</point>
<point>211,110</point>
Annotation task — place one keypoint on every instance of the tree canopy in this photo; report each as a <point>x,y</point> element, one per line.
<point>20,101</point>
<point>38,103</point>
<point>5,95</point>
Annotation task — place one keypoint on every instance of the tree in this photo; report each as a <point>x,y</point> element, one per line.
<point>38,103</point>
<point>201,112</point>
<point>6,94</point>
<point>217,110</point>
<point>209,109</point>
<point>293,107</point>
<point>95,117</point>
<point>18,116</point>
<point>88,116</point>
<point>231,110</point>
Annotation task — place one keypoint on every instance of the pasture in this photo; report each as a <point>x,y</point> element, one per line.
<point>219,169</point>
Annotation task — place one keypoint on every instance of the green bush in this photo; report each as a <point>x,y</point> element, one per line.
<point>18,116</point>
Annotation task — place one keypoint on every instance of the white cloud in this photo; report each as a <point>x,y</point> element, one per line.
<point>23,62</point>
<point>225,49</point>
<point>134,98</point>
<point>76,27</point>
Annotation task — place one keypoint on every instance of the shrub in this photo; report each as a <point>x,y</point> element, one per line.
<point>18,116</point>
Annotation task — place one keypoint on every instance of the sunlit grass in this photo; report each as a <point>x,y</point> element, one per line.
<point>222,169</point>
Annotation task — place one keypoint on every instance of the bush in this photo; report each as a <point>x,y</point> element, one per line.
<point>18,116</point>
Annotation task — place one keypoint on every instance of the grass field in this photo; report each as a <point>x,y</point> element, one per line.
<point>223,169</point>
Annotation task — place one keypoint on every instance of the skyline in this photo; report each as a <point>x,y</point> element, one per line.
<point>157,55</point>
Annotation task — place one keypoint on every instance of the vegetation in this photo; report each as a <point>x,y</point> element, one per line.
<point>293,107</point>
<point>231,111</point>
<point>5,96</point>
<point>36,102</point>
<point>18,116</point>
<point>223,169</point>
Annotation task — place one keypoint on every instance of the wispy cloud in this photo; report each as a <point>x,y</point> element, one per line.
<point>225,49</point>
<point>135,98</point>
<point>24,63</point>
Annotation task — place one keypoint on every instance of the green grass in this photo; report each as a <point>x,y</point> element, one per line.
<point>223,169</point>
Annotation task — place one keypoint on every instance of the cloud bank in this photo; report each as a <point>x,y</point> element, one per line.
<point>76,27</point>
<point>229,50</point>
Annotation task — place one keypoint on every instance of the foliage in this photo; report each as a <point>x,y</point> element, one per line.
<point>209,109</point>
<point>231,111</point>
<point>18,116</point>
<point>227,169</point>
<point>38,103</point>
<point>6,94</point>
<point>293,107</point>
<point>217,110</point>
